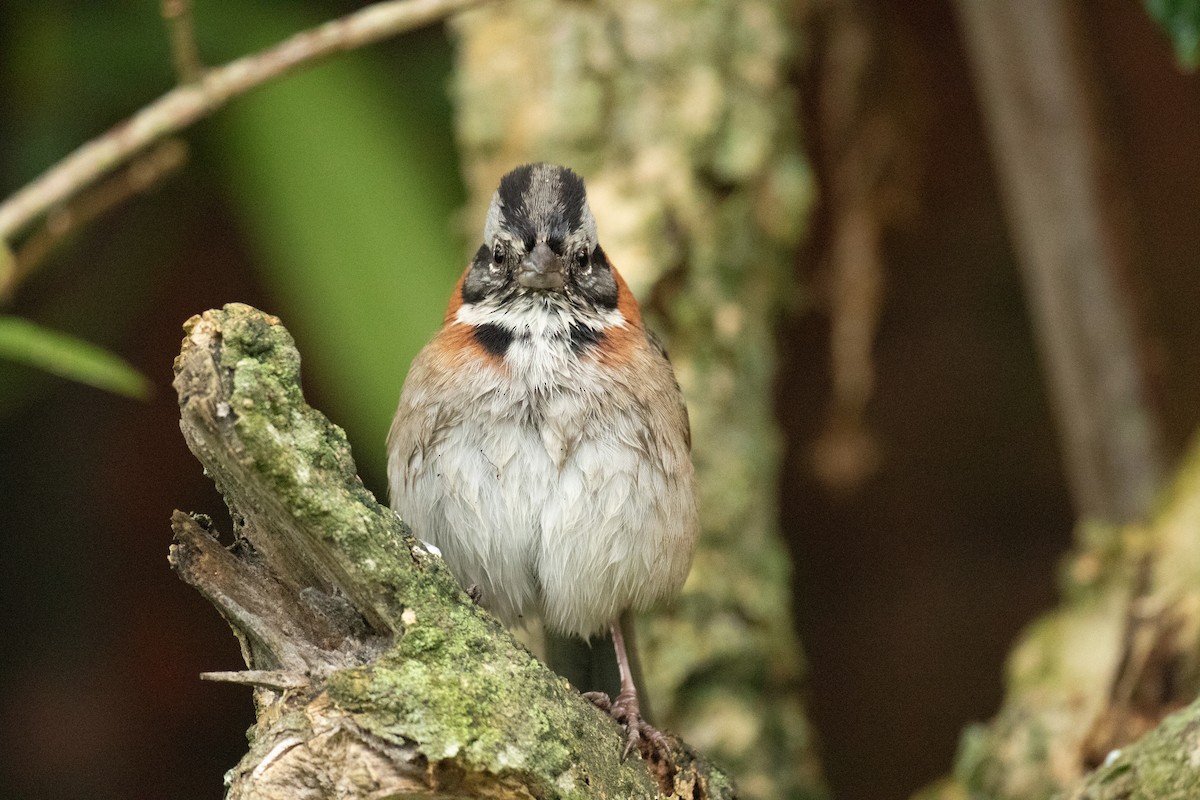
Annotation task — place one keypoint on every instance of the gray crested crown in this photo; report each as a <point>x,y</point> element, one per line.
<point>541,202</point>
<point>539,237</point>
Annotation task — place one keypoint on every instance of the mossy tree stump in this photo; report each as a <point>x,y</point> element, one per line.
<point>374,674</point>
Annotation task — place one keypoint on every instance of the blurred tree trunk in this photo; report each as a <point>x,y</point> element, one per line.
<point>681,117</point>
<point>1122,653</point>
<point>1071,221</point>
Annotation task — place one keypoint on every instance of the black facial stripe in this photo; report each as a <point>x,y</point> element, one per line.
<point>477,284</point>
<point>582,337</point>
<point>512,191</point>
<point>513,187</point>
<point>599,287</point>
<point>573,197</point>
<point>494,338</point>
<point>599,260</point>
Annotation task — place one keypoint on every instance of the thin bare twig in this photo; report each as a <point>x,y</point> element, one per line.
<point>184,105</point>
<point>184,51</point>
<point>146,172</point>
<point>266,678</point>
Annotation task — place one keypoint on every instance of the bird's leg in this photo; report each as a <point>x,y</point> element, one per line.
<point>625,709</point>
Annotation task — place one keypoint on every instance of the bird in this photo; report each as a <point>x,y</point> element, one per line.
<point>542,442</point>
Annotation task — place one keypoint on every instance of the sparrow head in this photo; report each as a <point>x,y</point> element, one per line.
<point>540,238</point>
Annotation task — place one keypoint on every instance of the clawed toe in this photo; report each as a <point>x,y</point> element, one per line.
<point>639,734</point>
<point>599,700</point>
<point>633,735</point>
<point>620,715</point>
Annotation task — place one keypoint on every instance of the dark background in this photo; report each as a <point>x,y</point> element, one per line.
<point>909,590</point>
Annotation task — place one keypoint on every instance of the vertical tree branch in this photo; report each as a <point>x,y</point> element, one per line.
<point>865,166</point>
<point>182,31</point>
<point>1072,233</point>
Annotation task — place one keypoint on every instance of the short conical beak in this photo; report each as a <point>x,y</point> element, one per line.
<point>541,269</point>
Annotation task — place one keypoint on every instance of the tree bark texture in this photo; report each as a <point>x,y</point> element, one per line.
<point>375,675</point>
<point>1099,690</point>
<point>682,119</point>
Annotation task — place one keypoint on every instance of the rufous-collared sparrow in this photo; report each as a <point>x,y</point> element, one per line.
<point>542,441</point>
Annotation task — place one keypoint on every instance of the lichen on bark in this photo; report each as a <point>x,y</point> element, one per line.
<point>1162,765</point>
<point>375,674</point>
<point>1112,666</point>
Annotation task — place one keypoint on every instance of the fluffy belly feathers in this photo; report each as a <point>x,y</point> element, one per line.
<point>570,517</point>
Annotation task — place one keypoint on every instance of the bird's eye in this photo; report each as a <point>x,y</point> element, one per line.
<point>498,254</point>
<point>581,260</point>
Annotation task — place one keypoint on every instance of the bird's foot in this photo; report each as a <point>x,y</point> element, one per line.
<point>475,593</point>
<point>639,734</point>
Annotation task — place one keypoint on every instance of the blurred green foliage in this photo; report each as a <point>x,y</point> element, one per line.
<point>344,177</point>
<point>329,199</point>
<point>342,181</point>
<point>49,57</point>
<point>57,353</point>
<point>1181,20</point>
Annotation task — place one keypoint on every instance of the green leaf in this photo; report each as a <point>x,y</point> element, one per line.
<point>63,355</point>
<point>1181,20</point>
